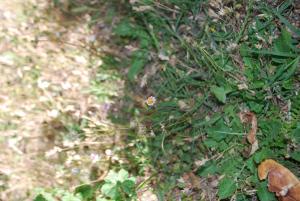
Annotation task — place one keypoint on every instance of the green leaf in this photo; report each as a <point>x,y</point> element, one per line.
<point>231,165</point>
<point>128,187</point>
<point>263,193</point>
<point>137,63</point>
<point>110,190</point>
<point>210,143</point>
<point>208,169</point>
<point>255,107</point>
<point>219,131</point>
<point>227,187</point>
<point>296,156</point>
<point>262,155</point>
<point>286,71</point>
<point>125,28</point>
<point>220,93</point>
<point>39,198</point>
<point>42,195</point>
<point>272,53</point>
<point>251,165</point>
<point>112,177</point>
<point>86,191</point>
<point>283,42</point>
<point>122,175</point>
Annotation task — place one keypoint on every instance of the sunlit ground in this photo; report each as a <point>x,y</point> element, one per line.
<point>45,98</point>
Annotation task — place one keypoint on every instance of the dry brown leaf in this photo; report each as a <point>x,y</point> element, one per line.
<point>250,118</point>
<point>280,180</point>
<point>191,180</point>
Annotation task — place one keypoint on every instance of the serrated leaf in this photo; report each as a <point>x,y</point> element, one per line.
<point>227,187</point>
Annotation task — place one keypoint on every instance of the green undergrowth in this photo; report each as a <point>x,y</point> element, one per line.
<point>205,62</point>
<point>210,67</point>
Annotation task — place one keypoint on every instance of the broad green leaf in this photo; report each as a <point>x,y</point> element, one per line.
<point>262,155</point>
<point>110,190</point>
<point>220,93</point>
<point>241,197</point>
<point>210,143</point>
<point>42,194</point>
<point>231,165</point>
<point>282,43</point>
<point>112,177</point>
<point>40,198</point>
<point>122,175</point>
<point>255,107</point>
<point>208,169</point>
<point>227,187</point>
<point>86,191</point>
<point>263,193</point>
<point>128,187</point>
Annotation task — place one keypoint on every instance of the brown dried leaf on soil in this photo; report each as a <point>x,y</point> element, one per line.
<point>280,180</point>
<point>250,118</point>
<point>191,180</point>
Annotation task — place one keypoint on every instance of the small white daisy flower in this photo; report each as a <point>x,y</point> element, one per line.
<point>151,101</point>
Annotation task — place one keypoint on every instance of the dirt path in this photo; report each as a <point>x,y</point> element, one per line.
<point>43,96</point>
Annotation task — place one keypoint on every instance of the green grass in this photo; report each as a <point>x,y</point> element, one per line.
<point>205,77</point>
<point>207,70</point>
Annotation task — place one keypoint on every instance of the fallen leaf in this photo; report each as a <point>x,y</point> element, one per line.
<point>191,180</point>
<point>280,180</point>
<point>250,118</point>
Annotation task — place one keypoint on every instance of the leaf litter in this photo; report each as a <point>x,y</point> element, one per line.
<point>247,117</point>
